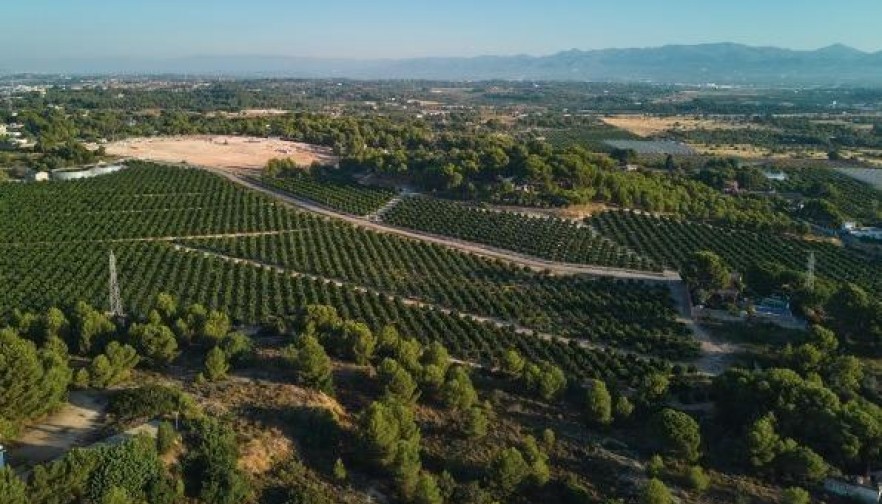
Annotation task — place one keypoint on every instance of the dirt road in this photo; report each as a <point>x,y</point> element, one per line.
<point>715,356</point>
<point>419,303</point>
<point>558,268</point>
<point>714,359</point>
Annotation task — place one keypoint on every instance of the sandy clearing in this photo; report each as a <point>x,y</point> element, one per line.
<point>73,425</point>
<point>249,113</point>
<point>232,153</point>
<point>649,126</point>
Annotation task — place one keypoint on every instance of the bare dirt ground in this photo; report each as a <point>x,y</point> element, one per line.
<point>251,113</point>
<point>74,425</point>
<point>755,152</point>
<point>230,153</point>
<point>648,126</point>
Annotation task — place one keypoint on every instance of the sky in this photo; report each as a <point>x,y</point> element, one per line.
<point>367,29</point>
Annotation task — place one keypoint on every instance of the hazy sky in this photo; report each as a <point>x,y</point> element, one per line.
<point>403,28</point>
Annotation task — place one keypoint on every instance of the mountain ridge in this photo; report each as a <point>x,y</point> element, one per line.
<point>720,63</point>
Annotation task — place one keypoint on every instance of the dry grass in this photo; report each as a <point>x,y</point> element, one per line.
<point>582,211</point>
<point>241,154</point>
<point>649,126</point>
<point>754,152</point>
<point>264,450</point>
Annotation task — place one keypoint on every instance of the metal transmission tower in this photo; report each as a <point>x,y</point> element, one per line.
<point>116,307</point>
<point>810,273</point>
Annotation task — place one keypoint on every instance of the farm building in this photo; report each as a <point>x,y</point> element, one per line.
<point>776,176</point>
<point>871,233</point>
<point>40,176</point>
<point>95,171</point>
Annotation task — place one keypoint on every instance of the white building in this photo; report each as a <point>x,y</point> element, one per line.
<point>776,176</point>
<point>872,233</point>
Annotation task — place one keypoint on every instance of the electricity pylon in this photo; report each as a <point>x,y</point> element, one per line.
<point>116,306</point>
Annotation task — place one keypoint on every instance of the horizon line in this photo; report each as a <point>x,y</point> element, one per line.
<point>437,56</point>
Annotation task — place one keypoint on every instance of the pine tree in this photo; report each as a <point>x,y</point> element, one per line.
<point>598,403</point>
<point>678,433</point>
<point>156,342</point>
<point>512,363</point>
<point>427,491</point>
<point>698,479</point>
<point>340,473</point>
<point>508,470</point>
<point>397,382</point>
<point>763,443</point>
<point>623,408</point>
<point>655,492</point>
<point>311,364</point>
<point>216,365</point>
<point>166,438</point>
<point>458,393</point>
<point>12,489</point>
<point>476,423</point>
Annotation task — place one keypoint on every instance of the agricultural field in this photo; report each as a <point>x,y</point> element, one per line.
<point>870,176</point>
<point>347,197</point>
<point>653,147</point>
<point>851,192</point>
<point>37,277</point>
<point>671,241</point>
<point>165,252</point>
<point>592,137</point>
<point>630,316</point>
<point>555,239</point>
<point>141,202</point>
<point>312,339</point>
<point>647,126</point>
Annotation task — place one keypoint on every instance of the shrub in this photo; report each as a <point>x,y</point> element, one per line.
<point>210,465</point>
<point>216,365</point>
<point>698,479</point>
<point>147,402</point>
<point>655,492</point>
<point>795,495</point>
<point>678,433</point>
<point>508,470</point>
<point>166,438</point>
<point>12,488</point>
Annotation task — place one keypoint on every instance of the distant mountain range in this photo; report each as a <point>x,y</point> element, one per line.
<point>723,63</point>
